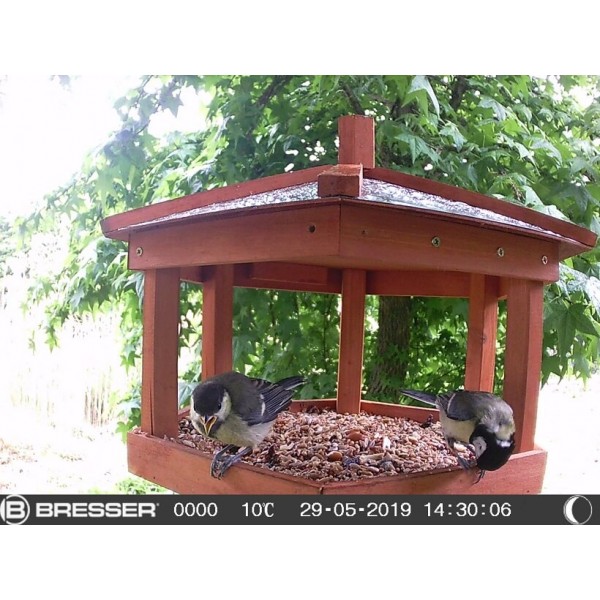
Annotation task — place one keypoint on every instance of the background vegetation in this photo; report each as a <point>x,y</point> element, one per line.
<point>529,140</point>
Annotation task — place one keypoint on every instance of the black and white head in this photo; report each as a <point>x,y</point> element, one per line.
<point>492,448</point>
<point>210,406</point>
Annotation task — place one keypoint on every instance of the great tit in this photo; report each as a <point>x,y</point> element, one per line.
<point>238,411</point>
<point>483,420</point>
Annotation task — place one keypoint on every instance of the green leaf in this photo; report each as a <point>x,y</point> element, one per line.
<point>579,164</point>
<point>582,321</point>
<point>565,326</point>
<point>543,144</point>
<point>421,83</point>
<point>417,146</point>
<point>499,110</point>
<point>452,131</point>
<point>171,103</point>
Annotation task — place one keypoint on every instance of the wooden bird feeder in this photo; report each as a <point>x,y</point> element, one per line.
<point>351,229</point>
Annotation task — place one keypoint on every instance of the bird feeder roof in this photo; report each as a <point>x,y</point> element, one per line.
<point>386,205</point>
<point>373,191</point>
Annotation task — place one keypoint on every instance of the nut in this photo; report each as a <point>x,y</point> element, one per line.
<point>355,435</point>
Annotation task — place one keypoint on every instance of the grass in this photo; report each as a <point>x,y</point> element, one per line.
<point>56,406</point>
<point>132,485</point>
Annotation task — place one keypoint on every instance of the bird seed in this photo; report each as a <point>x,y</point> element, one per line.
<point>324,446</point>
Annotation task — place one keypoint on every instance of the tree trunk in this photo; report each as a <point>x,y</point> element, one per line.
<point>393,341</point>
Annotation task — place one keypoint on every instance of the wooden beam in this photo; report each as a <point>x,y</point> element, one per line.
<point>352,328</point>
<point>288,276</point>
<point>340,180</point>
<point>481,339</point>
<point>277,276</point>
<point>116,226</point>
<point>357,140</point>
<point>191,274</point>
<point>288,234</point>
<point>446,284</point>
<point>577,237</point>
<point>523,356</point>
<point>217,320</point>
<point>160,349</point>
<point>306,405</point>
<point>400,411</point>
<point>386,237</point>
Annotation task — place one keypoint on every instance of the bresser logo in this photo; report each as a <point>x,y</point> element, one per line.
<point>95,510</point>
<point>15,510</point>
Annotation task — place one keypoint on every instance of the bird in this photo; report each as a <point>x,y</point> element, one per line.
<point>238,411</point>
<point>480,419</point>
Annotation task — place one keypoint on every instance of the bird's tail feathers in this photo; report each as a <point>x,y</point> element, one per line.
<point>422,396</point>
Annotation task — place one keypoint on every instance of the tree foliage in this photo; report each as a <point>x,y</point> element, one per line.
<point>528,140</point>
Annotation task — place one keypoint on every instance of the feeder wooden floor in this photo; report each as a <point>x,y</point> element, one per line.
<point>187,471</point>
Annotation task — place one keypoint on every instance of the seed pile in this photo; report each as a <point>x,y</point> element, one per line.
<point>324,446</point>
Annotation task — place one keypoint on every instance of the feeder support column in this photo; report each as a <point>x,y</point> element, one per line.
<point>160,349</point>
<point>481,340</point>
<point>523,356</point>
<point>352,330</point>
<point>217,320</point>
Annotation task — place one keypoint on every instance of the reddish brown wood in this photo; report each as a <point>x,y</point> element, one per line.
<point>383,237</point>
<point>523,474</point>
<point>372,237</point>
<point>160,349</point>
<point>357,140</point>
<point>287,235</point>
<point>289,276</point>
<point>579,236</point>
<point>217,320</point>
<point>416,413</point>
<point>523,356</point>
<point>116,226</point>
<point>418,283</point>
<point>340,180</point>
<point>277,276</point>
<point>481,340</point>
<point>186,471</point>
<point>191,274</point>
<point>316,278</point>
<point>304,405</point>
<point>352,328</point>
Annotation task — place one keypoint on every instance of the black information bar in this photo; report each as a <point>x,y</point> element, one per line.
<point>299,510</point>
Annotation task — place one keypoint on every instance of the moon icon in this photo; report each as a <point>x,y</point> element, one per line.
<point>584,512</point>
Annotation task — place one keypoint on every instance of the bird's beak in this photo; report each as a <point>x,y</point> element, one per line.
<point>209,423</point>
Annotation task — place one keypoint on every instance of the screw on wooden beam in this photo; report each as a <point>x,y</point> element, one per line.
<point>340,180</point>
<point>357,141</point>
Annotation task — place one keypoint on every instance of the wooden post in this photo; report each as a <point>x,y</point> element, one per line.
<point>352,329</point>
<point>481,340</point>
<point>523,356</point>
<point>357,141</point>
<point>217,320</point>
<point>160,350</point>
